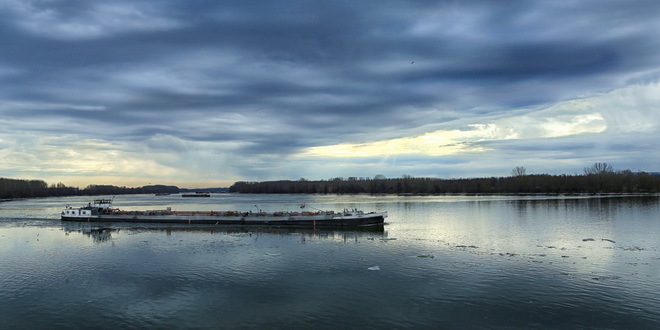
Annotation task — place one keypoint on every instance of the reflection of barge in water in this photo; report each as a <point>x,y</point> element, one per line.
<point>101,211</point>
<point>105,234</point>
<point>101,232</point>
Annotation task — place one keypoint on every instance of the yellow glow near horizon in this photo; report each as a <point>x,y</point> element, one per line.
<point>435,143</point>
<point>449,142</point>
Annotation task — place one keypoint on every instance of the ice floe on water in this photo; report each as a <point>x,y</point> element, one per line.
<point>425,256</point>
<point>602,239</point>
<point>374,268</point>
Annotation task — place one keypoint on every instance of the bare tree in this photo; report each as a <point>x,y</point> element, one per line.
<point>598,168</point>
<point>518,171</point>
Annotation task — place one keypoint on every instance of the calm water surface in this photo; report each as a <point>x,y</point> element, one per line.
<point>439,262</point>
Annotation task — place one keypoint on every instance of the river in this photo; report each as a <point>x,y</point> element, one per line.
<point>439,262</point>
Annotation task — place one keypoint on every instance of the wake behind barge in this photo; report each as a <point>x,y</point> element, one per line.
<point>101,210</point>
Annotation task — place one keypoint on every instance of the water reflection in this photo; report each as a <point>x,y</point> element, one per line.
<point>441,261</point>
<point>98,235</point>
<point>103,234</point>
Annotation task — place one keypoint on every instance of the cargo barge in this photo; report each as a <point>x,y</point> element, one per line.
<point>101,210</point>
<point>197,194</point>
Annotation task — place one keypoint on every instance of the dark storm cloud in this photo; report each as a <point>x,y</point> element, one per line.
<point>274,77</point>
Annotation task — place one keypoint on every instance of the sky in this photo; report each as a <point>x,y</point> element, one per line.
<point>200,93</point>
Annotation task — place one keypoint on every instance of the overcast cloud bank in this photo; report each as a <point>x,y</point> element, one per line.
<point>197,93</point>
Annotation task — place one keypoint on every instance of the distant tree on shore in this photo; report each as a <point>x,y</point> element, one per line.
<point>17,188</point>
<point>599,168</point>
<point>518,171</point>
<point>599,178</point>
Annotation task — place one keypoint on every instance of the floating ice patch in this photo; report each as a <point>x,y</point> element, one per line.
<point>425,256</point>
<point>374,268</point>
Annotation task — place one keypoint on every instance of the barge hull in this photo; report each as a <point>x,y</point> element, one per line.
<point>101,211</point>
<point>366,220</point>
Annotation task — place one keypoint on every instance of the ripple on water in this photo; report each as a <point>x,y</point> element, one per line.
<point>474,262</point>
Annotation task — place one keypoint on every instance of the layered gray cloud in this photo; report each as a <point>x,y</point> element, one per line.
<point>204,91</point>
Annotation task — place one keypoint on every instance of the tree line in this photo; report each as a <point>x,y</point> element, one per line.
<point>599,178</point>
<point>19,188</point>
